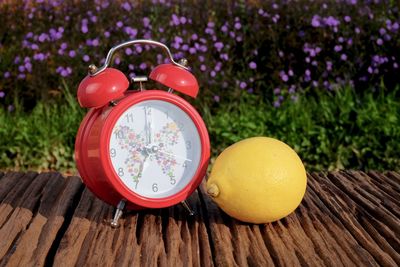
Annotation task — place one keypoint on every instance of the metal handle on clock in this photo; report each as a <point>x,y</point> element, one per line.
<point>93,70</point>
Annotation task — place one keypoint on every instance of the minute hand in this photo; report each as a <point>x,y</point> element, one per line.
<point>175,156</point>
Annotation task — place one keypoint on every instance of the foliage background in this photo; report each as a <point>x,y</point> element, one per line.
<point>319,75</point>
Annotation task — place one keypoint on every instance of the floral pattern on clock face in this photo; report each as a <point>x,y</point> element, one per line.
<point>155,148</point>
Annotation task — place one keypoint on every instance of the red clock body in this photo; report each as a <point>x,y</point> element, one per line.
<point>149,148</point>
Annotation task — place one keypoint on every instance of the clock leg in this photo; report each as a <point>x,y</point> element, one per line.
<point>118,213</point>
<point>186,205</point>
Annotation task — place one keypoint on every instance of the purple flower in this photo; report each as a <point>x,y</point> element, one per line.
<point>72,53</point>
<point>175,20</point>
<point>34,47</point>
<point>213,73</point>
<point>209,31</point>
<point>146,22</point>
<point>194,37</point>
<point>203,67</point>
<point>10,108</point>
<point>316,21</point>
<point>2,94</point>
<point>277,104</point>
<point>7,74</point>
<point>126,6</point>
<point>350,41</point>
<point>143,66</point>
<point>341,39</point>
<point>343,57</point>
<point>64,73</point>
<point>21,68</point>
<point>178,39</point>
<point>329,65</point>
<point>283,76</point>
<point>192,50</point>
<point>238,26</point>
<point>216,98</point>
<point>370,70</point>
<point>252,65</point>
<point>210,24</point>
<point>120,24</point>
<point>183,20</point>
<point>86,58</point>
<point>28,66</point>
<point>379,41</point>
<point>224,28</point>
<point>338,48</point>
<point>84,28</point>
<point>277,91</point>
<point>395,65</point>
<point>275,18</point>
<point>63,46</point>
<point>290,72</point>
<point>224,57</point>
<point>347,18</point>
<point>242,85</point>
<point>95,42</point>
<point>219,46</point>
<point>218,66</point>
<point>331,21</point>
<point>382,31</point>
<point>201,58</point>
<point>43,37</point>
<point>128,51</point>
<point>357,30</point>
<point>107,34</point>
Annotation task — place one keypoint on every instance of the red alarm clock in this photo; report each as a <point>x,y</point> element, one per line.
<point>141,148</point>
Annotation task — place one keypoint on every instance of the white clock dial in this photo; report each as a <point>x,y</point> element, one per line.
<point>155,148</point>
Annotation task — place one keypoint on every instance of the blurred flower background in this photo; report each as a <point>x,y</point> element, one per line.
<point>322,76</point>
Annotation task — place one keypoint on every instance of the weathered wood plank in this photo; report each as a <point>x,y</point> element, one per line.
<point>12,198</point>
<point>346,218</point>
<point>344,203</point>
<point>234,243</point>
<point>36,241</point>
<point>10,180</point>
<point>165,237</point>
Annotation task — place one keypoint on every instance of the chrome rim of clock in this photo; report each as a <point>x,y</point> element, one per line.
<point>155,148</point>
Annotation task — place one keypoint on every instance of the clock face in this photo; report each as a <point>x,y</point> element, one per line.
<point>155,148</point>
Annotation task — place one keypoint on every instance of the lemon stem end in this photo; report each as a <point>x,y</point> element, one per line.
<point>213,190</point>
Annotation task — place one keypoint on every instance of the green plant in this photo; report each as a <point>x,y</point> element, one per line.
<point>329,131</point>
<point>42,139</point>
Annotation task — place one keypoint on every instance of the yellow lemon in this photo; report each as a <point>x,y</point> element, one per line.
<point>258,180</point>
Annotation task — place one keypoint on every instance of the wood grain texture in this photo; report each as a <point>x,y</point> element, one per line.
<point>347,218</point>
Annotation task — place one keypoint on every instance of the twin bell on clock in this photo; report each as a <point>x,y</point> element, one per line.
<point>141,148</point>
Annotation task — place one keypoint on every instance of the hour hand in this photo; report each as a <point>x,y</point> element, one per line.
<point>147,117</point>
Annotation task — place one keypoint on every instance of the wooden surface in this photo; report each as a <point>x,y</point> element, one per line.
<point>346,219</point>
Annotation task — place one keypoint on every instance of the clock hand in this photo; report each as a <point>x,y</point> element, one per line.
<point>147,127</point>
<point>175,156</point>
